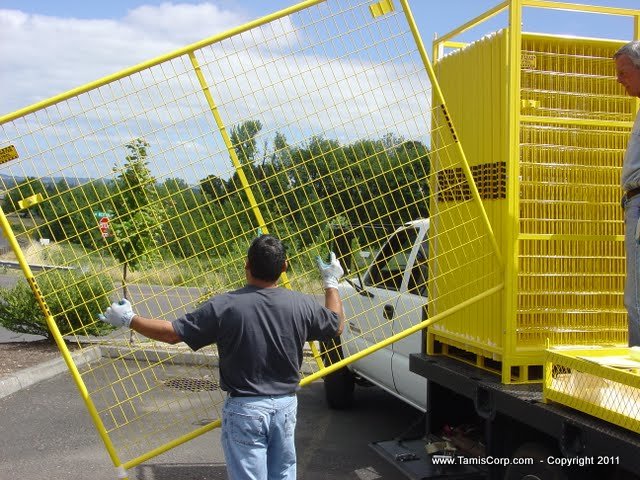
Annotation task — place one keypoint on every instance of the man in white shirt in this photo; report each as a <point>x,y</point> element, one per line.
<point>627,61</point>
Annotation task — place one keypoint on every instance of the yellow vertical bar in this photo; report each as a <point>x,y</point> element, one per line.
<point>227,141</point>
<point>514,66</point>
<point>238,166</point>
<point>436,88</point>
<point>66,355</point>
<point>436,50</point>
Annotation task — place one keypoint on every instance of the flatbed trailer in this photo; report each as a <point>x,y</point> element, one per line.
<point>512,422</point>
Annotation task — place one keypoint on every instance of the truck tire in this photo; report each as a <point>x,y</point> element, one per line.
<point>338,389</point>
<point>539,470</point>
<point>338,385</point>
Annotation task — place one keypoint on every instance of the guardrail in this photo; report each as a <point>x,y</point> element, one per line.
<point>38,268</point>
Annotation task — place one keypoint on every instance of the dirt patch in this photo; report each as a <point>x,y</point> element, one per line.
<point>16,356</point>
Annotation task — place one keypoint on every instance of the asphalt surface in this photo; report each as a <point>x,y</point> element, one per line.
<point>47,433</point>
<point>9,336</point>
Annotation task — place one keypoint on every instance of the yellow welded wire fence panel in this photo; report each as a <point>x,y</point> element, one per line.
<point>316,125</point>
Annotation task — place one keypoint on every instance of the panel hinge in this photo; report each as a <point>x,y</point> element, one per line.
<point>31,201</point>
<point>381,8</point>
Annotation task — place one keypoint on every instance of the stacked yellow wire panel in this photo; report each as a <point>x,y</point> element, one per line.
<point>603,382</point>
<point>312,124</point>
<point>571,226</point>
<point>557,215</point>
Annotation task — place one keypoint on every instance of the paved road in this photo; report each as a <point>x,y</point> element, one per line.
<point>46,434</point>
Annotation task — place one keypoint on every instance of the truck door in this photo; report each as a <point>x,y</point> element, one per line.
<point>408,312</point>
<point>383,281</point>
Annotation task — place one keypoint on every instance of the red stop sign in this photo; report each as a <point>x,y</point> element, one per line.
<point>103,223</point>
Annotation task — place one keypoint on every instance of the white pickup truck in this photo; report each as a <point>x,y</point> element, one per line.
<point>386,300</point>
<point>550,441</point>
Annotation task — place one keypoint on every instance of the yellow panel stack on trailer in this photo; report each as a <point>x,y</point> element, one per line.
<point>544,126</point>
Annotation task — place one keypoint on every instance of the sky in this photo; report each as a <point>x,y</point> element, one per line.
<point>48,47</point>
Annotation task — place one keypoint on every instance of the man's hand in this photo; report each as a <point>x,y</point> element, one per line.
<point>331,272</point>
<point>119,314</point>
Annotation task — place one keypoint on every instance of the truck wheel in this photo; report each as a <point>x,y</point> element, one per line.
<point>539,470</point>
<point>338,385</point>
<point>338,389</point>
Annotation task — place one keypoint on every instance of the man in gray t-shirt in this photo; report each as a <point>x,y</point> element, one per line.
<point>260,331</point>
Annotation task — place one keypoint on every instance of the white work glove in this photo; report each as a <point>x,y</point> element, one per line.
<point>331,272</point>
<point>119,314</point>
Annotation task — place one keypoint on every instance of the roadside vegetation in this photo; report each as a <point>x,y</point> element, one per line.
<point>176,234</point>
<point>73,308</point>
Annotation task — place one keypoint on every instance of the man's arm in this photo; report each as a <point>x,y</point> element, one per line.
<point>333,302</point>
<point>120,314</point>
<point>155,329</point>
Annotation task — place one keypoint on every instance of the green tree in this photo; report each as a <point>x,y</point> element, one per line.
<point>189,228</point>
<point>74,300</point>
<point>139,214</point>
<point>29,187</point>
<point>243,139</point>
<point>213,186</point>
<point>70,212</point>
<point>299,188</point>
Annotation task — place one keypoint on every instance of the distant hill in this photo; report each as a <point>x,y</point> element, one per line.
<point>7,182</point>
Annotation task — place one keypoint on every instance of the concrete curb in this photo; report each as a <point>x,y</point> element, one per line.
<point>29,376</point>
<point>158,355</point>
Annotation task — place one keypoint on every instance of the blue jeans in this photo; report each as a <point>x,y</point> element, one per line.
<point>258,437</point>
<point>632,251</point>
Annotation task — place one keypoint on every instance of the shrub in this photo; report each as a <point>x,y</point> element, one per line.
<point>74,300</point>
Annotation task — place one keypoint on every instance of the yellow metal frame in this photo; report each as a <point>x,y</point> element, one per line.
<point>66,354</point>
<point>584,361</point>
<point>514,10</point>
<point>446,40</point>
<point>238,167</point>
<point>440,98</point>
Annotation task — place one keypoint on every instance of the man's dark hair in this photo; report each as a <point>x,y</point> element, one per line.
<point>266,257</point>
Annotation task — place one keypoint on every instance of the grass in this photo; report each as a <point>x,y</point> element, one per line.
<point>215,276</point>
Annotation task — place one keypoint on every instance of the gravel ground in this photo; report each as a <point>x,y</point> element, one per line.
<point>18,355</point>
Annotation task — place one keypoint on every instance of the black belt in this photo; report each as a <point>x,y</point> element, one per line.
<point>632,193</point>
<point>236,394</point>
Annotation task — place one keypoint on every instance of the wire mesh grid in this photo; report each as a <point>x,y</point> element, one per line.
<point>601,382</point>
<point>565,78</point>
<point>569,188</point>
<point>316,126</point>
<point>561,213</point>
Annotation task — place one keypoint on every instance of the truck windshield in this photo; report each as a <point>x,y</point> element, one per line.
<point>389,266</point>
<point>419,272</point>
